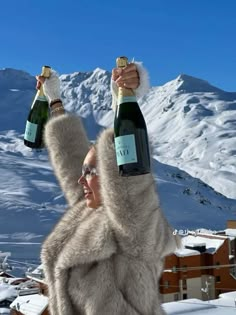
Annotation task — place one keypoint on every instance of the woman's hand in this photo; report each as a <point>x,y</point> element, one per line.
<point>126,77</point>
<point>40,80</point>
<point>51,86</point>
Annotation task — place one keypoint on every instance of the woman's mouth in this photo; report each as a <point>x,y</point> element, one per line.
<point>87,194</point>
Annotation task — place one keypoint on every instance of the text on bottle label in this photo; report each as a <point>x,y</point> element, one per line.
<point>125,149</point>
<point>30,131</point>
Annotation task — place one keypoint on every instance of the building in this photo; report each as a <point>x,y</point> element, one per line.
<point>35,303</point>
<point>203,269</point>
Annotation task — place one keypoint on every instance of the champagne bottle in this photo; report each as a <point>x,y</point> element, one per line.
<point>37,117</point>
<point>130,131</point>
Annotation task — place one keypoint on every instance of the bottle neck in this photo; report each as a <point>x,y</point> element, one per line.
<point>40,91</point>
<point>126,95</point>
<point>40,95</point>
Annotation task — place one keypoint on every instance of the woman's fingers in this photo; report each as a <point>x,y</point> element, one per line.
<point>116,72</point>
<point>130,67</point>
<point>130,84</point>
<point>40,80</point>
<point>126,77</point>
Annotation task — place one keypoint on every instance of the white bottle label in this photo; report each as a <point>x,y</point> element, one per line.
<point>30,131</point>
<point>125,150</point>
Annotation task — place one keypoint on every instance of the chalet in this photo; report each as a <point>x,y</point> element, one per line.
<point>32,302</point>
<point>203,268</point>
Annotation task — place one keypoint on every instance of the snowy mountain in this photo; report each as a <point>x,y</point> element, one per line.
<point>192,129</point>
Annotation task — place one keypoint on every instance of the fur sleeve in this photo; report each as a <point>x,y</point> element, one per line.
<point>133,207</point>
<point>67,145</point>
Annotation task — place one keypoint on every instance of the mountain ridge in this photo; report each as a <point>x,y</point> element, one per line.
<point>192,137</point>
<point>177,119</point>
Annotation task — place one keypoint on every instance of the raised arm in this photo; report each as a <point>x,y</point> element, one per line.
<point>66,141</point>
<point>132,206</point>
<point>67,145</point>
<point>132,203</point>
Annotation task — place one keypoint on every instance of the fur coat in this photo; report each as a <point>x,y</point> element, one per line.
<point>104,261</point>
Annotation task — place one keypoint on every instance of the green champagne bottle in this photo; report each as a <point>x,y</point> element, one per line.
<point>37,117</point>
<point>130,131</point>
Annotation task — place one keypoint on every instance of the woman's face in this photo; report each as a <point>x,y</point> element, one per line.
<point>89,180</point>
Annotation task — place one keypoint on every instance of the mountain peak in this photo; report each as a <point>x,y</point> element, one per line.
<point>190,84</point>
<point>16,79</point>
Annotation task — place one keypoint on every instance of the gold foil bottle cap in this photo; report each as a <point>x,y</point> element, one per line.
<point>46,71</point>
<point>121,62</point>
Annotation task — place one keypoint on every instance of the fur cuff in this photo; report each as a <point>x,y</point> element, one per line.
<point>140,91</point>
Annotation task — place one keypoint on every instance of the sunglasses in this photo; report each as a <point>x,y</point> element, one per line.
<point>89,171</point>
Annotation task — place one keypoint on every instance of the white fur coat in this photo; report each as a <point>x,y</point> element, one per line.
<point>104,261</point>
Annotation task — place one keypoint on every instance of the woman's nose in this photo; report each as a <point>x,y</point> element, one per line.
<point>81,180</point>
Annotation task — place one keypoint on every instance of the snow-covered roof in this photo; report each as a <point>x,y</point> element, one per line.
<point>187,307</point>
<point>36,274</point>
<point>33,304</point>
<point>7,292</point>
<point>38,270</point>
<point>212,244</point>
<point>220,306</point>
<point>183,252</point>
<point>4,311</point>
<point>228,295</point>
<point>230,232</point>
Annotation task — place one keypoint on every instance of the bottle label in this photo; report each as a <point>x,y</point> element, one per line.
<point>125,150</point>
<point>30,131</point>
<point>127,99</point>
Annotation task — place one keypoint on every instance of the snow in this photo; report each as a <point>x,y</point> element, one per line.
<point>33,304</point>
<point>229,295</point>
<point>187,307</point>
<point>183,252</point>
<point>212,244</point>
<point>225,304</point>
<point>7,291</point>
<point>36,274</point>
<point>38,270</point>
<point>4,311</point>
<point>196,131</point>
<point>230,232</point>
<point>198,240</point>
<point>193,136</point>
<point>220,306</point>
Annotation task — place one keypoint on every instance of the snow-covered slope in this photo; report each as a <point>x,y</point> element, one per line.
<point>192,128</point>
<point>193,125</point>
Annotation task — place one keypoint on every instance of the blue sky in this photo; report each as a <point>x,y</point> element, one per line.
<point>195,37</point>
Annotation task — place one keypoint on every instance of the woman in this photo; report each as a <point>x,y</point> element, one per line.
<point>105,255</point>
